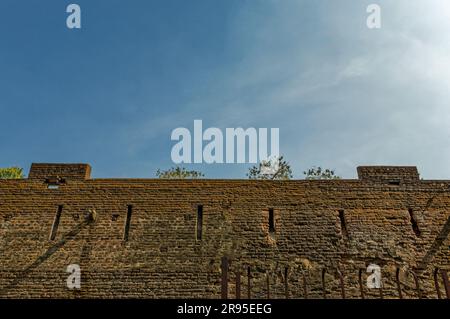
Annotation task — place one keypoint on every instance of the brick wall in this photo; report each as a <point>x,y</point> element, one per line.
<point>320,228</point>
<point>49,171</point>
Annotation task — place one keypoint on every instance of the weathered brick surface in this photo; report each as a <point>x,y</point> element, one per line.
<point>71,171</point>
<point>163,259</point>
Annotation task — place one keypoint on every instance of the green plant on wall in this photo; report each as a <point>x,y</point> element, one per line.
<point>11,173</point>
<point>320,173</point>
<point>178,173</point>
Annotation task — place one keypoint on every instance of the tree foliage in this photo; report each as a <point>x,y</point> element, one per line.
<point>275,169</point>
<point>319,173</point>
<point>178,173</point>
<point>11,173</point>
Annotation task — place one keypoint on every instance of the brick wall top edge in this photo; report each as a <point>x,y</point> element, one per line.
<point>202,181</point>
<point>82,171</point>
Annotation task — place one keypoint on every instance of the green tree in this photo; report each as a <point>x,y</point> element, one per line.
<point>319,173</point>
<point>178,173</point>
<point>11,173</point>
<point>273,169</point>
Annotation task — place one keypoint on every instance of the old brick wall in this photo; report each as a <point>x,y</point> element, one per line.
<point>400,223</point>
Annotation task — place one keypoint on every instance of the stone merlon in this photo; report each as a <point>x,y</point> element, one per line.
<point>155,238</point>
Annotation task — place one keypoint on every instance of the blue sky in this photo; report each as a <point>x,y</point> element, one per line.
<point>111,93</point>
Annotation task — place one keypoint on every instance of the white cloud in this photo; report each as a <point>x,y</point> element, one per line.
<point>342,95</point>
<point>362,96</point>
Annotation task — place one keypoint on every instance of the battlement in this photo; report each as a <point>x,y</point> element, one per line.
<point>153,238</point>
<point>387,174</point>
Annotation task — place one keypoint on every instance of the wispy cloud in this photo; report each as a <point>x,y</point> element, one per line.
<point>342,95</point>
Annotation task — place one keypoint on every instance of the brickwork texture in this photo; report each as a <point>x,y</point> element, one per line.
<point>153,238</point>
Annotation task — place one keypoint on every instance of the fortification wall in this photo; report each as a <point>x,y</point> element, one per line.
<point>398,222</point>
